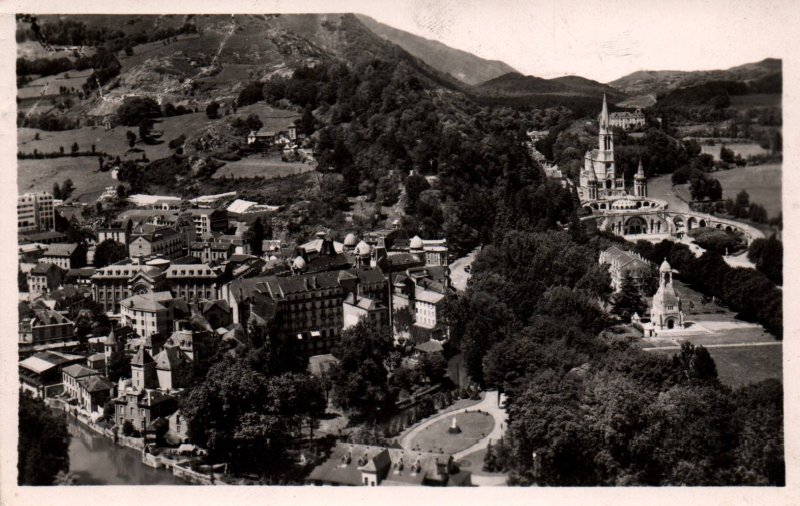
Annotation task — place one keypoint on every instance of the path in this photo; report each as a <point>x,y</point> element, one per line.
<point>458,275</point>
<point>727,345</point>
<point>488,404</point>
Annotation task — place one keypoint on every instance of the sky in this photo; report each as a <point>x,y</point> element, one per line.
<point>600,40</point>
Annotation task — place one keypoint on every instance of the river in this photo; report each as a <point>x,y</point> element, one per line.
<point>96,460</point>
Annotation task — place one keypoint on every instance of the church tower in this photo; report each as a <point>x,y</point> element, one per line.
<point>640,182</point>
<point>667,311</point>
<point>606,135</point>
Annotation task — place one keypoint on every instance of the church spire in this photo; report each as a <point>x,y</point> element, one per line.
<point>604,114</point>
<point>640,172</point>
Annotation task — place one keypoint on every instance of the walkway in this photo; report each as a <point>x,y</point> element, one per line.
<point>727,345</point>
<point>488,404</point>
<point>458,275</point>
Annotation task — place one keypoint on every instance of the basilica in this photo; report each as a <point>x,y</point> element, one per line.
<point>599,179</point>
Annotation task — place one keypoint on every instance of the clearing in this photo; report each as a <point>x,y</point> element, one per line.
<point>268,167</point>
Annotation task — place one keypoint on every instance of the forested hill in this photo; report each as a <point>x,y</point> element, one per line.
<point>578,93</point>
<point>656,82</point>
<point>462,65</point>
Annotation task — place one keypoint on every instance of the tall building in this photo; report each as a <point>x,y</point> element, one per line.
<point>599,178</point>
<point>35,212</point>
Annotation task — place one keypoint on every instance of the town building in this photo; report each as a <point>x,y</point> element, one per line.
<point>667,310</point>
<point>113,283</point>
<point>148,241</point>
<point>211,251</point>
<point>294,306</point>
<point>356,308</point>
<point>44,277</point>
<point>45,326</point>
<point>627,120</point>
<point>624,264</point>
<point>173,368</point>
<point>40,374</point>
<point>370,466</point>
<point>142,407</point>
<point>46,237</point>
<point>209,220</point>
<point>65,255</point>
<point>194,282</point>
<point>88,387</point>
<point>149,313</point>
<point>35,212</point>
<point>418,299</point>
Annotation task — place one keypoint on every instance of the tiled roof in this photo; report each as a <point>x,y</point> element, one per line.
<point>60,249</point>
<point>141,358</point>
<point>79,371</point>
<point>44,268</point>
<point>96,383</point>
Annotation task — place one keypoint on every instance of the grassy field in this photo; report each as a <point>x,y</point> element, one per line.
<point>737,366</point>
<point>115,143</point>
<point>49,85</point>
<point>762,182</point>
<point>474,426</point>
<point>744,149</point>
<point>37,175</point>
<point>260,166</point>
<point>474,463</point>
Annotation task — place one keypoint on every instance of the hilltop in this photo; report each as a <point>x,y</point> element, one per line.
<point>653,82</point>
<point>464,66</point>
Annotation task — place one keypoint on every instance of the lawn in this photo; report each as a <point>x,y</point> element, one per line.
<point>49,85</point>
<point>38,175</point>
<point>474,427</point>
<point>762,182</point>
<point>737,366</point>
<point>267,167</point>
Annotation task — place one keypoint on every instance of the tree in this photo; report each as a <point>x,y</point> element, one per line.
<point>360,380</point>
<point>743,199</point>
<point>131,138</point>
<point>212,110</point>
<point>134,109</point>
<point>306,124</point>
<point>433,366</point>
<point>257,238</point>
<point>121,192</point>
<point>109,252</point>
<point>67,187</point>
<point>726,154</point>
<point>56,191</point>
<point>119,366</point>
<point>145,128</point>
<point>243,417</point>
<point>694,363</point>
<point>628,300</point>
<point>43,446</point>
<point>74,148</point>
<point>250,94</point>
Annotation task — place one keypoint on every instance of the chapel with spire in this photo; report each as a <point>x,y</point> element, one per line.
<point>599,179</point>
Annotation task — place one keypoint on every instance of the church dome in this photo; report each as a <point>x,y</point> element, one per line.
<point>273,258</point>
<point>665,267</point>
<point>299,264</point>
<point>363,249</point>
<point>416,242</point>
<point>350,240</point>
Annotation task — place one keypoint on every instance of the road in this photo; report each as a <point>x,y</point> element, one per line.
<point>458,275</point>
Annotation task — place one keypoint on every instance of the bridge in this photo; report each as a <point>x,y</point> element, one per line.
<point>639,216</point>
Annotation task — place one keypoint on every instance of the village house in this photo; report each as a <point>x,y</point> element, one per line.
<point>87,386</point>
<point>211,251</point>
<point>46,237</point>
<point>418,299</point>
<point>627,120</point>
